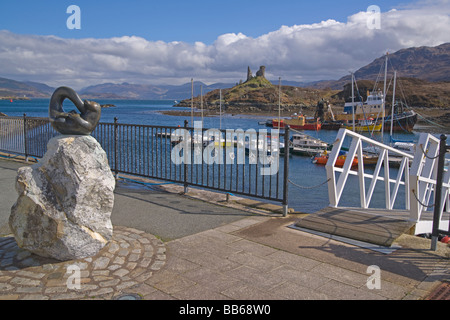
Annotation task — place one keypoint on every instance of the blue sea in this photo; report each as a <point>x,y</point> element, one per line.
<point>301,169</point>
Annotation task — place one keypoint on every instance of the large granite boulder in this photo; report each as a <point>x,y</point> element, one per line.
<point>65,201</point>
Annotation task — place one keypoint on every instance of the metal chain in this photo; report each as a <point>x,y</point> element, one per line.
<point>415,196</point>
<point>315,187</point>
<point>425,154</point>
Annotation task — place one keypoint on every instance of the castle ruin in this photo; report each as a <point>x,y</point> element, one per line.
<point>261,73</point>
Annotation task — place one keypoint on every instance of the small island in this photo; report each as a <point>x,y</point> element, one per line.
<point>108,106</point>
<point>258,96</point>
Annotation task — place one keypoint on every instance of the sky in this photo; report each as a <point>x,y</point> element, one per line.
<point>172,41</point>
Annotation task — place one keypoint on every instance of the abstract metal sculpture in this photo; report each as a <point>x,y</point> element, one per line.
<point>73,123</point>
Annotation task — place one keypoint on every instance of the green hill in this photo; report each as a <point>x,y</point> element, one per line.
<point>259,95</point>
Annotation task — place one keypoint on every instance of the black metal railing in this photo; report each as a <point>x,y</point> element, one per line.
<point>438,209</point>
<point>232,161</point>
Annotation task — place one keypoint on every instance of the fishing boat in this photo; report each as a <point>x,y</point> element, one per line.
<point>333,125</point>
<point>322,159</point>
<point>305,145</point>
<point>398,120</point>
<point>297,122</point>
<point>403,121</point>
<point>367,125</point>
<point>363,114</point>
<point>371,108</point>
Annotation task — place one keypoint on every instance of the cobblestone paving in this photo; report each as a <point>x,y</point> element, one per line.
<point>131,258</point>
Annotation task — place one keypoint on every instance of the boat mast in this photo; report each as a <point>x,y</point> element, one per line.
<point>384,97</point>
<point>192,102</point>
<point>393,103</point>
<point>220,109</point>
<point>201,101</point>
<point>279,102</point>
<point>353,101</point>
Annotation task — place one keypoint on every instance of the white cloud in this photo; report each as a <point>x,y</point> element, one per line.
<point>324,50</point>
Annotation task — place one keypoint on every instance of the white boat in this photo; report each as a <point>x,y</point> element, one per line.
<point>372,108</point>
<point>305,145</point>
<point>261,146</point>
<point>407,147</point>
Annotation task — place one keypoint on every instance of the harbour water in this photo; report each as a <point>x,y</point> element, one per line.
<point>311,196</point>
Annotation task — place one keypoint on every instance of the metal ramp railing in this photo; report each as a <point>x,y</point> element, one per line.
<point>430,185</point>
<point>394,170</point>
<point>387,157</point>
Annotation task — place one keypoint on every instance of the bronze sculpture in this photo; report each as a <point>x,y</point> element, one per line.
<point>73,123</point>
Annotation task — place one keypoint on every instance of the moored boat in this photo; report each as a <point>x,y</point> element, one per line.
<point>395,120</point>
<point>267,145</point>
<point>368,125</point>
<point>305,145</point>
<point>402,122</point>
<point>332,125</point>
<point>322,159</point>
<point>297,122</point>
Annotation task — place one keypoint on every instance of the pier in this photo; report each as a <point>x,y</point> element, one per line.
<point>370,226</point>
<point>417,177</point>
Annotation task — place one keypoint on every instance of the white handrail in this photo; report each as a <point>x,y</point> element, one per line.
<point>336,186</point>
<point>416,174</point>
<point>423,177</point>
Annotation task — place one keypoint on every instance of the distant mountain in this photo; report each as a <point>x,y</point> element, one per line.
<point>430,64</point>
<point>42,87</point>
<point>12,88</point>
<point>425,63</point>
<point>150,92</point>
<point>423,81</point>
<point>17,89</point>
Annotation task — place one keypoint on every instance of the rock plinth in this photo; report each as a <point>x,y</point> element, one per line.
<point>65,201</point>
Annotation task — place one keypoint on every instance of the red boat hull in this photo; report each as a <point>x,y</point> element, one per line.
<point>322,160</point>
<point>308,126</point>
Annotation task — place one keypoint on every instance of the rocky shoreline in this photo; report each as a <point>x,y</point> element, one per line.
<point>14,98</point>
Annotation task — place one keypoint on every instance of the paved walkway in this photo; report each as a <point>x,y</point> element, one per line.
<point>169,246</point>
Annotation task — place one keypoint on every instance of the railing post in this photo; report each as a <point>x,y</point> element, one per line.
<point>438,193</point>
<point>185,159</point>
<point>25,140</point>
<point>116,142</point>
<point>286,172</point>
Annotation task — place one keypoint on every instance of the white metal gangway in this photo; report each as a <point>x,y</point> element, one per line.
<point>415,174</point>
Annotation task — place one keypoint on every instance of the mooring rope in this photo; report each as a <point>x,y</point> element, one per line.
<point>308,188</point>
